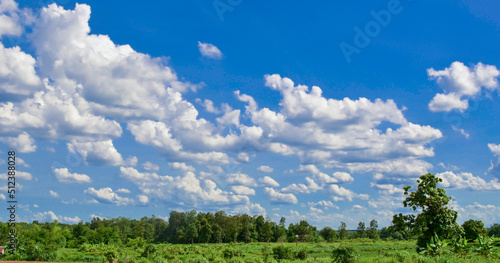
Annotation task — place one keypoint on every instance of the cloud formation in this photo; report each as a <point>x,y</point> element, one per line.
<point>210,51</point>
<point>64,176</point>
<point>461,83</point>
<point>495,163</point>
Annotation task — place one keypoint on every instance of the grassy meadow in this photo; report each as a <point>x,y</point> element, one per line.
<point>365,250</point>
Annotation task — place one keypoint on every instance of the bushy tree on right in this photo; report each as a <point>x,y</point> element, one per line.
<point>435,217</point>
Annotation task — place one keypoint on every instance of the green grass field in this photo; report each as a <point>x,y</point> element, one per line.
<point>366,251</point>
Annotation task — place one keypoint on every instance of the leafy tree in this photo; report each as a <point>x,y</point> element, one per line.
<point>279,232</point>
<point>205,231</point>
<point>107,235</point>
<point>217,234</point>
<point>328,233</point>
<point>304,229</point>
<point>282,221</point>
<point>435,217</point>
<point>360,231</point>
<point>232,227</point>
<point>267,232</point>
<point>220,229</point>
<point>494,230</point>
<point>373,230</point>
<point>259,223</point>
<point>342,230</point>
<point>176,224</point>
<point>245,228</point>
<point>473,228</point>
<point>401,227</point>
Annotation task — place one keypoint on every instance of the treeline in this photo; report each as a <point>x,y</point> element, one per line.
<point>193,227</point>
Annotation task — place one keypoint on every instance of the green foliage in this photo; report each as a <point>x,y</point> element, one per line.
<point>231,252</point>
<point>301,254</point>
<point>282,252</point>
<point>136,242</point>
<point>127,239</point>
<point>345,254</point>
<point>494,230</point>
<point>37,252</point>
<point>372,231</point>
<point>460,247</point>
<point>149,251</point>
<point>435,218</point>
<point>342,230</point>
<point>485,246</point>
<point>435,247</point>
<point>328,234</point>
<point>473,229</point>
<point>110,255</point>
<point>266,252</point>
<point>361,230</point>
<point>301,231</point>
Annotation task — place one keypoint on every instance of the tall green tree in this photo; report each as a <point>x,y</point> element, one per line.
<point>360,231</point>
<point>435,217</point>
<point>193,226</point>
<point>494,230</point>
<point>205,231</point>
<point>373,232</point>
<point>266,231</point>
<point>328,233</point>
<point>304,230</point>
<point>342,230</point>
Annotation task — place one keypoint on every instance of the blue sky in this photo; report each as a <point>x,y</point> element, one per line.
<point>318,111</point>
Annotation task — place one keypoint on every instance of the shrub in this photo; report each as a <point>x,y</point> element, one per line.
<point>129,259</point>
<point>301,254</point>
<point>231,252</point>
<point>37,252</point>
<point>344,254</point>
<point>110,255</point>
<point>460,247</point>
<point>485,246</point>
<point>136,242</point>
<point>282,252</point>
<point>266,252</point>
<point>434,248</point>
<point>473,229</point>
<point>149,251</point>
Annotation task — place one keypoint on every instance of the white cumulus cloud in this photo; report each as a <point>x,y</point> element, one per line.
<point>64,176</point>
<point>268,181</point>
<point>209,50</point>
<point>460,83</point>
<point>467,181</point>
<point>265,169</point>
<point>107,196</point>
<point>277,197</point>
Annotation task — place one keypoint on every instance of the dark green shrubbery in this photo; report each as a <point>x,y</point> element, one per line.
<point>282,252</point>
<point>344,254</point>
<point>149,251</point>
<point>231,252</point>
<point>301,254</point>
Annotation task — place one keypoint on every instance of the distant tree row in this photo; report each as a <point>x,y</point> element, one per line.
<point>182,227</point>
<point>198,227</point>
<point>218,227</point>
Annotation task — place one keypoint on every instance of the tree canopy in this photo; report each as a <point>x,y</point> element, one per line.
<point>435,217</point>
